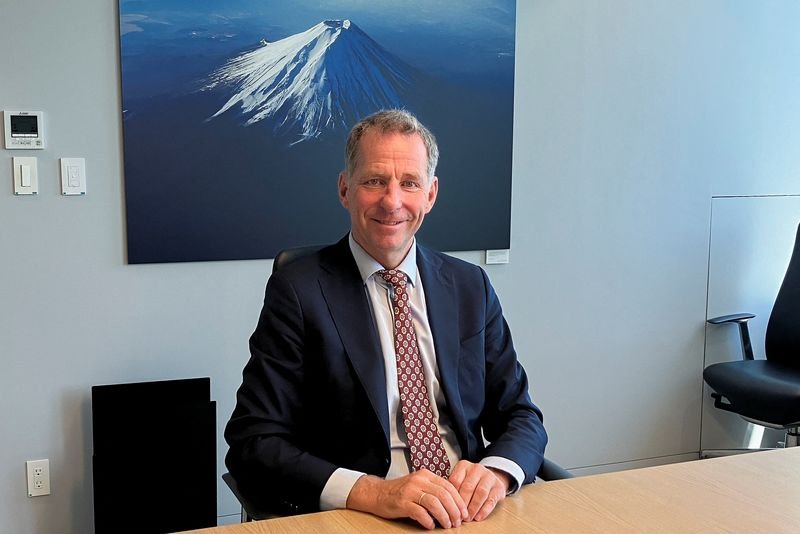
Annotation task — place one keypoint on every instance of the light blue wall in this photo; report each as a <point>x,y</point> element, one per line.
<point>630,115</point>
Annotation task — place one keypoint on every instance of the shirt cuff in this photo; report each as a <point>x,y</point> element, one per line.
<point>507,466</point>
<point>337,489</point>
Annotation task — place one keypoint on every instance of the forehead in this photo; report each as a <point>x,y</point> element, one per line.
<point>376,149</point>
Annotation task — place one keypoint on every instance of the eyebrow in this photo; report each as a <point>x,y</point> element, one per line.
<point>381,171</point>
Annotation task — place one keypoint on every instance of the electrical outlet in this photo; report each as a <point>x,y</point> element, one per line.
<point>38,477</point>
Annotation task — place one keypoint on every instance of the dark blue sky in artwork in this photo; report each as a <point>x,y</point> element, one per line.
<point>442,38</point>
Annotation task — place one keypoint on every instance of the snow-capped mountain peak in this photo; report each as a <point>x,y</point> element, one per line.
<point>323,78</point>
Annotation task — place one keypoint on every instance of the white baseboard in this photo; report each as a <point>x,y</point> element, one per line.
<point>634,464</point>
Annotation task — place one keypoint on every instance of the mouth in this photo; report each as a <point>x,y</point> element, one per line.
<point>388,223</point>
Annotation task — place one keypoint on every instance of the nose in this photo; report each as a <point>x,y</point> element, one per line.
<point>392,197</point>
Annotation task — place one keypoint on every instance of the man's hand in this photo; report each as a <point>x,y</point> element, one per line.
<point>424,497</point>
<point>480,487</point>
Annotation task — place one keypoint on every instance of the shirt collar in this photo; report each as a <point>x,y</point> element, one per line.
<point>367,265</point>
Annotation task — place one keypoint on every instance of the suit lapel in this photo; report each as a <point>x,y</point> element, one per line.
<point>344,293</point>
<point>440,300</point>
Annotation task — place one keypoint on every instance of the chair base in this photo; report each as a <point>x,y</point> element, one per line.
<point>719,453</point>
<point>792,439</point>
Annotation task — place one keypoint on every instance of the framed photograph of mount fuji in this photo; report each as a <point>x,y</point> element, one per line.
<point>235,116</point>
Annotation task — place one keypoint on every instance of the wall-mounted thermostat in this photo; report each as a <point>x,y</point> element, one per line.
<point>24,129</point>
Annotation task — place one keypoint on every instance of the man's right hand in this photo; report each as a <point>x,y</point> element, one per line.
<point>422,496</point>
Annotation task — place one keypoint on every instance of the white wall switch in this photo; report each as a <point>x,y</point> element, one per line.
<point>26,177</point>
<point>38,477</point>
<point>73,176</point>
<point>497,256</point>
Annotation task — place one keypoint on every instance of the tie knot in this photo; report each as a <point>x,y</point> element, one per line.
<point>394,277</point>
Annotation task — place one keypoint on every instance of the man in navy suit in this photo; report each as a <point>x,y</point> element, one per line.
<point>319,419</point>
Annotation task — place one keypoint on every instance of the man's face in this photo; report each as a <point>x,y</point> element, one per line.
<point>388,194</point>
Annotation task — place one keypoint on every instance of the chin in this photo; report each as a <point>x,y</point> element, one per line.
<point>390,246</point>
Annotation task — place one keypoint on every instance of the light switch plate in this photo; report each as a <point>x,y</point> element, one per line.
<point>73,176</point>
<point>26,176</point>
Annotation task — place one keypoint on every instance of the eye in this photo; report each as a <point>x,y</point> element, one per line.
<point>410,184</point>
<point>373,182</point>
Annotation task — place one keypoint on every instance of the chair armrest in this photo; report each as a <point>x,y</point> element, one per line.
<point>735,318</point>
<point>744,332</point>
<point>552,471</point>
<point>251,511</point>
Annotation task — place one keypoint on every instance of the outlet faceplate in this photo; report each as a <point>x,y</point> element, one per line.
<point>38,477</point>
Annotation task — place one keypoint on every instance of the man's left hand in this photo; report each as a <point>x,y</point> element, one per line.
<point>480,487</point>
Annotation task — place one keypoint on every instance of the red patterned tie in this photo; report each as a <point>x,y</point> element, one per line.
<point>424,441</point>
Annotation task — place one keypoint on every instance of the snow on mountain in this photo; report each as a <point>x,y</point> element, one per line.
<point>323,78</point>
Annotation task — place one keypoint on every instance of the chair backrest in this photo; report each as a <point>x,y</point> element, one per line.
<point>782,341</point>
<point>288,255</point>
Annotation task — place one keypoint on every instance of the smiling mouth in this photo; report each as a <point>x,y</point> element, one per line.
<point>389,223</point>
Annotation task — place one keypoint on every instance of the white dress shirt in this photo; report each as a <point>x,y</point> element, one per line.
<point>379,293</point>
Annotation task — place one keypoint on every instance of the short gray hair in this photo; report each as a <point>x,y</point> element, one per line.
<point>390,121</point>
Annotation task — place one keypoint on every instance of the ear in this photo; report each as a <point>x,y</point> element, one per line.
<point>432,192</point>
<point>343,187</point>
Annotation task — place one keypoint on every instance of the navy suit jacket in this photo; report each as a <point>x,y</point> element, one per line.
<point>313,394</point>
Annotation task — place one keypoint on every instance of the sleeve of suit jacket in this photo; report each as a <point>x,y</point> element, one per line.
<point>483,381</point>
<point>302,411</point>
<point>268,455</point>
<point>511,423</point>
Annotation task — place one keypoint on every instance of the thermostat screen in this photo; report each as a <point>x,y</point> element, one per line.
<point>24,126</point>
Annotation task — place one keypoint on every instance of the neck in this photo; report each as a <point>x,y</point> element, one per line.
<point>388,260</point>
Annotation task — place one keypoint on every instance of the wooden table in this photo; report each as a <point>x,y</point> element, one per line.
<point>748,493</point>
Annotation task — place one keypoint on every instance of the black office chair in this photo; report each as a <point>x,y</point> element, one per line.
<point>766,392</point>
<point>548,471</point>
<point>288,255</point>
